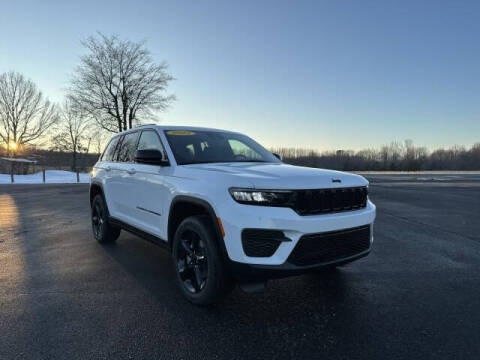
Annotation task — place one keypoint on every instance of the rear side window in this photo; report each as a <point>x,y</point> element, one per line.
<point>126,149</point>
<point>149,140</point>
<point>110,149</point>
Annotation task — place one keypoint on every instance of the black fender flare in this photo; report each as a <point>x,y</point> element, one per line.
<point>211,213</point>
<point>95,184</point>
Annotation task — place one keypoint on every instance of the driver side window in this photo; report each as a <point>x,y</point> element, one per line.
<point>149,140</point>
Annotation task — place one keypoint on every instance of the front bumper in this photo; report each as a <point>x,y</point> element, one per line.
<point>236,217</point>
<point>251,272</point>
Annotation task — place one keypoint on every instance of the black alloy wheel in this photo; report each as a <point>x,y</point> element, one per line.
<point>98,215</point>
<point>192,261</point>
<point>198,263</point>
<point>103,231</point>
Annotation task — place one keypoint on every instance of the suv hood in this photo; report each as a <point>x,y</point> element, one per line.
<point>282,176</point>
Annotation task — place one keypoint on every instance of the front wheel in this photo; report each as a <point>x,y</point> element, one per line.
<point>197,262</point>
<point>103,231</point>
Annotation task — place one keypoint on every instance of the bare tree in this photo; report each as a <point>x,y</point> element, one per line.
<point>99,141</point>
<point>96,139</point>
<point>70,132</point>
<point>25,114</point>
<point>117,82</point>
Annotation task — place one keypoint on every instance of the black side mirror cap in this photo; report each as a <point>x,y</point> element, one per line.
<point>151,157</point>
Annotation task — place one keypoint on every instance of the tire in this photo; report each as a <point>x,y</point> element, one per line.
<point>103,231</point>
<point>198,266</point>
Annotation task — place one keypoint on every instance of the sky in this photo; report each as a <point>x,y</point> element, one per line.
<point>311,74</point>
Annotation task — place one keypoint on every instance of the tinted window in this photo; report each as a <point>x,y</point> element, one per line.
<point>126,149</point>
<point>110,149</point>
<point>149,140</point>
<point>191,147</point>
<point>241,150</point>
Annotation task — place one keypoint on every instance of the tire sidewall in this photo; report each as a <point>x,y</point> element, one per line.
<point>108,234</point>
<point>98,200</point>
<point>211,291</point>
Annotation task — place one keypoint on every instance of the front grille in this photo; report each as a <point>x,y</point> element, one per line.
<point>261,242</point>
<point>330,246</point>
<point>323,201</point>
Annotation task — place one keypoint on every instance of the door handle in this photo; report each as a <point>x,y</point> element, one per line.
<point>108,168</point>
<point>131,171</point>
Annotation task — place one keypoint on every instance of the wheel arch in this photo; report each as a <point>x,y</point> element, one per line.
<point>95,189</point>
<point>182,207</point>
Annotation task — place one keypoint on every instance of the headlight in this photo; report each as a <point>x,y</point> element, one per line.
<point>261,197</point>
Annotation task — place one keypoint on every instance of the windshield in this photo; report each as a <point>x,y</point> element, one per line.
<point>195,147</point>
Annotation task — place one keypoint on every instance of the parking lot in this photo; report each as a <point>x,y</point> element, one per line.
<point>416,296</point>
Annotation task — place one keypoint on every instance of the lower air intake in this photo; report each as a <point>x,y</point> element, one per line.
<point>261,242</point>
<point>326,247</point>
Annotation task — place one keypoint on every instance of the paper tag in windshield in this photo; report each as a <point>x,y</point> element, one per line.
<point>180,132</point>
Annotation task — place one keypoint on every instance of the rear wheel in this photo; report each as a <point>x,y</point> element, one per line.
<point>197,262</point>
<point>103,231</point>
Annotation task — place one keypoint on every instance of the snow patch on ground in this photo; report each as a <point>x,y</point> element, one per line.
<point>51,177</point>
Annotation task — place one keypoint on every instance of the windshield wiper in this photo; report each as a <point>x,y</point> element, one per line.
<point>262,161</point>
<point>202,162</point>
<point>223,161</point>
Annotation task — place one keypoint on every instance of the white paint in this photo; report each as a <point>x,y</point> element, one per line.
<point>153,187</point>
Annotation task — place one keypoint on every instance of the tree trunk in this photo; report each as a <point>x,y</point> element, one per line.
<point>74,160</point>
<point>8,145</point>
<point>130,119</point>
<point>119,123</point>
<point>14,152</point>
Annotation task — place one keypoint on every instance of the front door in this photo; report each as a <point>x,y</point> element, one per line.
<point>151,190</point>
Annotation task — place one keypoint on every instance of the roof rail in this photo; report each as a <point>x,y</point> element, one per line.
<point>152,124</point>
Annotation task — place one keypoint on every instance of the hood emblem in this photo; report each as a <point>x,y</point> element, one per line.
<point>336,181</point>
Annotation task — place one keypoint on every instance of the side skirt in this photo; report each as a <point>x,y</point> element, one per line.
<point>140,233</point>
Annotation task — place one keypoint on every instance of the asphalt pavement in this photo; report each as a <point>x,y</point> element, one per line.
<point>416,296</point>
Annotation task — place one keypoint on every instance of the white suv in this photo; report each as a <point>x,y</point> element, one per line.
<point>227,209</point>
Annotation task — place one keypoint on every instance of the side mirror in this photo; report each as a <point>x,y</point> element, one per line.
<point>278,156</point>
<point>151,157</point>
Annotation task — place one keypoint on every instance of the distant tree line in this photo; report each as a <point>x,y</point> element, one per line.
<point>50,159</point>
<point>60,159</point>
<point>395,156</point>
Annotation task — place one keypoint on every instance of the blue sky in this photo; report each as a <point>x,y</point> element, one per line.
<point>316,74</point>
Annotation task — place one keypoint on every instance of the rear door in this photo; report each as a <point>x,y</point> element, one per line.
<point>151,190</point>
<point>123,184</point>
<point>106,172</point>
